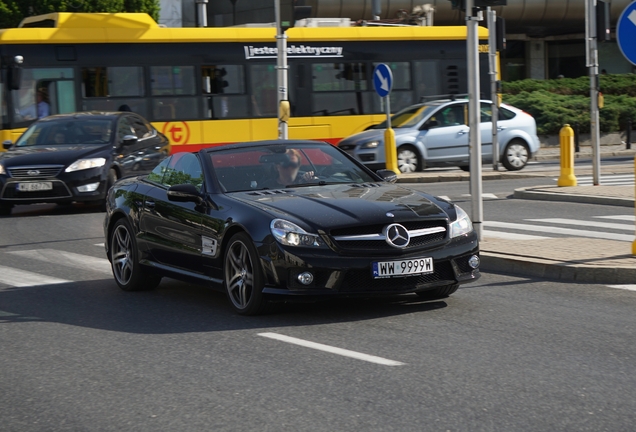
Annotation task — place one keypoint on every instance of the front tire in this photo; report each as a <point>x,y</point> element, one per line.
<point>125,260</point>
<point>408,159</point>
<point>243,276</point>
<point>516,155</point>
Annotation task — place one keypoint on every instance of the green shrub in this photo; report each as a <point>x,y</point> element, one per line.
<point>554,103</point>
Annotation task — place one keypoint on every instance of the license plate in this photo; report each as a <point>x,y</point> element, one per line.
<point>34,186</point>
<point>410,267</point>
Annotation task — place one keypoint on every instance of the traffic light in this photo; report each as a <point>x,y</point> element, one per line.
<point>602,21</point>
<point>292,11</point>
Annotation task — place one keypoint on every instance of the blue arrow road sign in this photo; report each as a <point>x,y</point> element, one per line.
<point>382,80</point>
<point>626,32</point>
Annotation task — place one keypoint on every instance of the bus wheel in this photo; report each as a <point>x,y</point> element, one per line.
<point>408,159</point>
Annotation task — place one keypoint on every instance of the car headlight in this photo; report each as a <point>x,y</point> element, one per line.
<point>462,224</point>
<point>2,170</point>
<point>370,144</point>
<point>83,164</point>
<point>290,234</point>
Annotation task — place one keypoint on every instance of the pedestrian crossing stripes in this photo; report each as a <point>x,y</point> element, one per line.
<point>21,278</point>
<point>606,180</point>
<point>64,258</point>
<point>561,227</point>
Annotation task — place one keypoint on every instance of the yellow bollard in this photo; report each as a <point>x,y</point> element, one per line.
<point>390,152</point>
<point>567,177</point>
<point>634,242</point>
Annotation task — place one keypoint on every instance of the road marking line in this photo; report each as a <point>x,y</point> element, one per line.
<point>563,231</point>
<point>624,287</point>
<point>484,195</point>
<point>333,350</point>
<point>631,218</point>
<point>512,236</point>
<point>20,278</point>
<point>575,222</point>
<point>69,259</point>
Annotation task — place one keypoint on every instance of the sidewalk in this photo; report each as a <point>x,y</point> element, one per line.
<point>576,259</point>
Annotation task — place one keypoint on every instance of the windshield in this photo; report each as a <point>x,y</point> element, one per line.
<point>278,166</point>
<point>67,131</point>
<point>408,118</point>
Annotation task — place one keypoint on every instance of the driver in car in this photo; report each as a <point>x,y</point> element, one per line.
<point>287,171</point>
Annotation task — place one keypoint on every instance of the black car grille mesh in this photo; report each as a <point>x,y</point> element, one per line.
<point>363,281</point>
<point>381,245</point>
<point>35,172</point>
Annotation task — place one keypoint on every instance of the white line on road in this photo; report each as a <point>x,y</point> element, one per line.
<point>618,217</point>
<point>20,278</point>
<point>69,259</point>
<point>333,350</point>
<point>512,236</point>
<point>559,221</point>
<point>558,230</point>
<point>624,287</point>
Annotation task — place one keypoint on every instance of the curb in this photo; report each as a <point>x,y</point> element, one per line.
<point>556,270</point>
<point>532,194</point>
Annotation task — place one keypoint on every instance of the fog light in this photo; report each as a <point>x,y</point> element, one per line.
<point>91,187</point>
<point>473,261</point>
<point>305,278</point>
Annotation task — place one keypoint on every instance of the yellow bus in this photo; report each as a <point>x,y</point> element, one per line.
<point>211,86</point>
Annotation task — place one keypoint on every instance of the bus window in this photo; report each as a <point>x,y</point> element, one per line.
<point>264,93</point>
<point>401,91</point>
<point>225,87</point>
<point>107,88</point>
<point>172,80</point>
<point>25,100</point>
<point>426,78</point>
<point>340,89</point>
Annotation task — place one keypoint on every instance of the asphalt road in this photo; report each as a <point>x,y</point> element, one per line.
<point>505,353</point>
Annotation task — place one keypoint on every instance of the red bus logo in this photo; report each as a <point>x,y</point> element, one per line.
<point>178,132</point>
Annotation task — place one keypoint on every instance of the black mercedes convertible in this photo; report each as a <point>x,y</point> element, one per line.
<point>281,220</point>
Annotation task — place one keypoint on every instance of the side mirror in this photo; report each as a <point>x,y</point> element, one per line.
<point>185,193</point>
<point>7,144</point>
<point>129,140</point>
<point>15,73</point>
<point>387,175</point>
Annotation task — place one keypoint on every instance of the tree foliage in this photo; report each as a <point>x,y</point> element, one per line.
<point>13,11</point>
<point>554,103</point>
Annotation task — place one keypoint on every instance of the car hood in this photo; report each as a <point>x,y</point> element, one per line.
<point>345,205</point>
<point>50,155</point>
<point>375,134</point>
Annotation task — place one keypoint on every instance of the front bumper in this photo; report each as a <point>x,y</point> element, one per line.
<point>338,275</point>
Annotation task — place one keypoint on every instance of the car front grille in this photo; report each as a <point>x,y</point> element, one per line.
<point>380,245</point>
<point>35,172</point>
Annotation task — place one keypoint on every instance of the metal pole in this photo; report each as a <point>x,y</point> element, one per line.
<point>472,49</point>
<point>202,11</point>
<point>492,57</point>
<point>593,65</point>
<point>628,138</point>
<point>281,76</point>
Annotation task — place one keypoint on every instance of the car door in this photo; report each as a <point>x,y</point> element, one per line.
<point>127,157</point>
<point>148,146</point>
<point>171,231</point>
<point>446,138</point>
